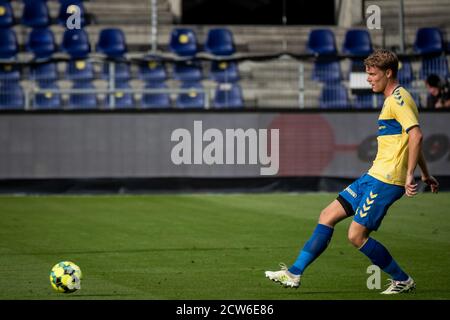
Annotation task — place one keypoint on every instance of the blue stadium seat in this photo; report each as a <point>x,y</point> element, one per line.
<point>78,69</point>
<point>6,14</point>
<point>366,101</point>
<point>155,100</point>
<point>48,100</point>
<point>334,97</point>
<point>192,99</point>
<point>44,72</point>
<point>224,71</point>
<point>41,42</point>
<point>9,72</point>
<point>121,70</point>
<point>35,14</point>
<point>322,42</point>
<point>357,42</point>
<point>187,71</point>
<point>112,43</point>
<point>437,65</point>
<point>228,95</point>
<point>8,44</point>
<point>123,100</point>
<point>63,15</point>
<point>11,96</point>
<point>220,42</point>
<point>83,100</point>
<point>428,41</point>
<point>327,71</point>
<point>76,43</point>
<point>405,73</point>
<point>152,71</point>
<point>183,42</point>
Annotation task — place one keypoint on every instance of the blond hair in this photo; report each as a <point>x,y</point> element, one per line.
<point>383,59</point>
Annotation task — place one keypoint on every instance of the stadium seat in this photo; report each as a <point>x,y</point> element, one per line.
<point>76,43</point>
<point>122,100</point>
<point>8,44</point>
<point>405,72</point>
<point>183,42</point>
<point>48,100</point>
<point>112,43</point>
<point>224,71</point>
<point>187,71</point>
<point>357,43</point>
<point>121,70</point>
<point>6,14</point>
<point>228,95</point>
<point>35,14</point>
<point>83,100</point>
<point>367,101</point>
<point>44,72</point>
<point>192,99</point>
<point>322,42</point>
<point>9,72</point>
<point>11,96</point>
<point>219,41</point>
<point>437,65</point>
<point>41,42</point>
<point>428,41</point>
<point>327,71</point>
<point>152,71</point>
<point>63,15</point>
<point>334,97</point>
<point>78,69</point>
<point>155,100</point>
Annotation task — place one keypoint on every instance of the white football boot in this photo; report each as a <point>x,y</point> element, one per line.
<point>400,286</point>
<point>284,277</point>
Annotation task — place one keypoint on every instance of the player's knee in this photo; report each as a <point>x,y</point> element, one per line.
<point>357,239</point>
<point>326,218</point>
<point>323,216</point>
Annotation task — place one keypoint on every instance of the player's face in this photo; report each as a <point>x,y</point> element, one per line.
<point>377,79</point>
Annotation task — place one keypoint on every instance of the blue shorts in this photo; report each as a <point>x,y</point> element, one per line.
<point>369,199</point>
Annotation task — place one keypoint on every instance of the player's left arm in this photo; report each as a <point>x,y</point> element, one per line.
<point>426,176</point>
<point>415,156</point>
<point>414,150</point>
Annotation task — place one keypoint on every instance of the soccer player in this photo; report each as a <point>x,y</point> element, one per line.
<point>368,198</point>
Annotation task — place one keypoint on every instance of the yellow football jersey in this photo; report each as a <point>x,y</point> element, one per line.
<point>399,114</point>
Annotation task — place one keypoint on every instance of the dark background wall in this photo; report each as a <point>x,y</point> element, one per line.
<point>255,12</point>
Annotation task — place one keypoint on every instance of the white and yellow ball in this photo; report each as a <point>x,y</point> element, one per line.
<point>66,277</point>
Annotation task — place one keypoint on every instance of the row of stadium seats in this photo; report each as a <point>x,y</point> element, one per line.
<point>219,41</point>
<point>429,42</point>
<point>151,71</point>
<point>333,96</point>
<point>36,14</point>
<point>225,96</point>
<point>41,43</point>
<point>336,96</point>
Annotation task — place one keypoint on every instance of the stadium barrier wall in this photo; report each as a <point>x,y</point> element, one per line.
<point>138,146</point>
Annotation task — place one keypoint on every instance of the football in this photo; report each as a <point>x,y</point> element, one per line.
<point>65,277</point>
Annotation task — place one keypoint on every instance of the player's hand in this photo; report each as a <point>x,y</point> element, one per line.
<point>410,186</point>
<point>432,182</point>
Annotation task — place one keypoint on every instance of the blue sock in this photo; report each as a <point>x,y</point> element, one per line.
<point>379,256</point>
<point>312,249</point>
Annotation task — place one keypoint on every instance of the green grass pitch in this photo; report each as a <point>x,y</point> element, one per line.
<point>209,246</point>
